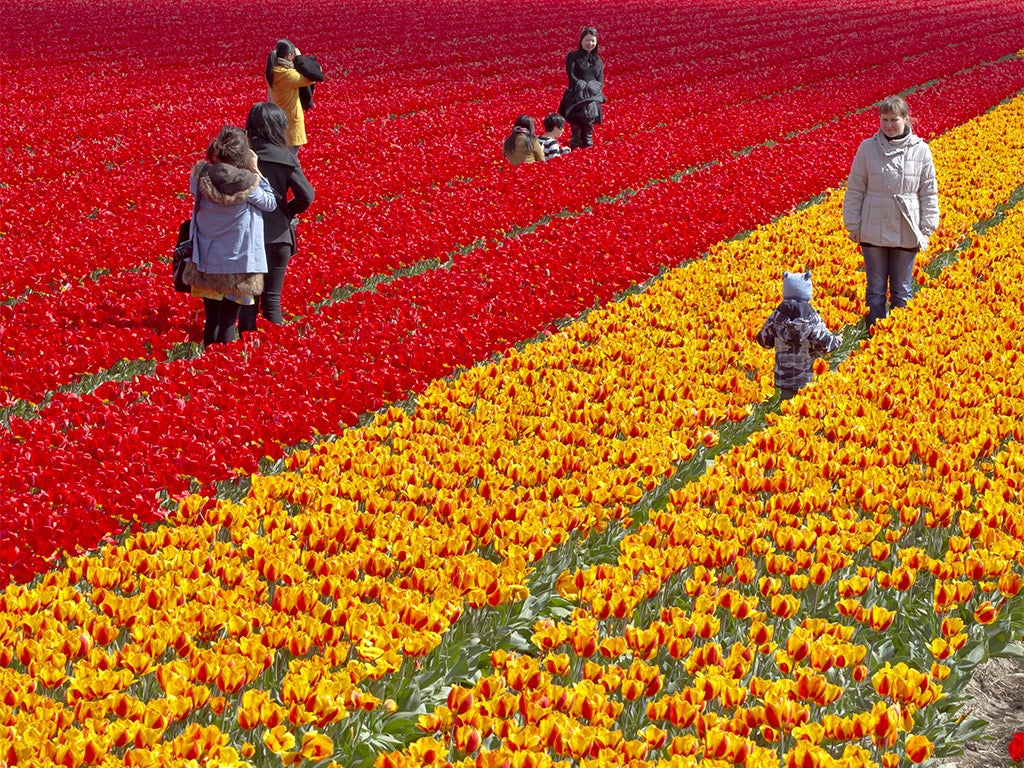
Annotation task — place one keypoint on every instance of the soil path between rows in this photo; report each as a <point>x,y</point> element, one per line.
<point>996,696</point>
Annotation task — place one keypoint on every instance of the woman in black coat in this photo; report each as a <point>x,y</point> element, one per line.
<point>581,102</point>
<point>265,127</point>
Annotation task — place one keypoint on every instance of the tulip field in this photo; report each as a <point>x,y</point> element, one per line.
<point>511,487</point>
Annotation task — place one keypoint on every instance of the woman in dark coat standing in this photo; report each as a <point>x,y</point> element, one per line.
<point>581,102</point>
<point>265,127</point>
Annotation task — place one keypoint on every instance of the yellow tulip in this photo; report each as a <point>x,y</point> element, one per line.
<point>278,740</point>
<point>316,746</point>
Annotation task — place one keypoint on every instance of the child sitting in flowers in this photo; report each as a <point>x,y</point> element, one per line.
<point>797,333</point>
<point>554,125</point>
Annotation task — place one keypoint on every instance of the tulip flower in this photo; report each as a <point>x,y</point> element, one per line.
<point>986,613</point>
<point>278,740</point>
<point>460,700</point>
<point>1016,747</point>
<point>918,748</point>
<point>885,725</point>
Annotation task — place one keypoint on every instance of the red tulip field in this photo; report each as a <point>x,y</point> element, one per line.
<point>511,487</point>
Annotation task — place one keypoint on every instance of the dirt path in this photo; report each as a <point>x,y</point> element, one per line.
<point>997,692</point>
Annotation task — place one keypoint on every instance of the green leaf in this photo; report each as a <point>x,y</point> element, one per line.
<point>402,725</point>
<point>883,651</point>
<point>1005,644</point>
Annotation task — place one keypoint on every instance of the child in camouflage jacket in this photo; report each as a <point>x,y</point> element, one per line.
<point>797,333</point>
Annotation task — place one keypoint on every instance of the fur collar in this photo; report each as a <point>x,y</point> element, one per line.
<point>223,183</point>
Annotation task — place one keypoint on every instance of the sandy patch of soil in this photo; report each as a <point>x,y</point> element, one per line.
<point>997,696</point>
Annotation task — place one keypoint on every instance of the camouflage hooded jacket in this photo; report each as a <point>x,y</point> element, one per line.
<point>798,335</point>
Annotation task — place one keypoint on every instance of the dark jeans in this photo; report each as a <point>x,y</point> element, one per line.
<point>582,135</point>
<point>889,271</point>
<point>221,318</point>
<point>269,302</point>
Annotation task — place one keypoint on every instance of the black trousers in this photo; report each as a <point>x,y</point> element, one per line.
<point>582,134</point>
<point>221,319</point>
<point>269,302</point>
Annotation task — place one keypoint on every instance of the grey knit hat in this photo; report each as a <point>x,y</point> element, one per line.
<point>797,286</point>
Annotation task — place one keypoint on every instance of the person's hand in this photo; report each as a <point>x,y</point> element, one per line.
<point>253,162</point>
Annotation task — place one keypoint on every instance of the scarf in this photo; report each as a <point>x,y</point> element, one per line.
<point>902,140</point>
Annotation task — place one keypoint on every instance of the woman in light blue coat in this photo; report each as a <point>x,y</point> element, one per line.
<point>228,254</point>
<point>891,206</point>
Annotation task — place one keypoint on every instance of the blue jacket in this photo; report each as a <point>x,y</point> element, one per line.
<point>227,236</point>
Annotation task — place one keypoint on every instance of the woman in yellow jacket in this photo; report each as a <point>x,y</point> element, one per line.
<point>283,83</point>
<point>522,145</point>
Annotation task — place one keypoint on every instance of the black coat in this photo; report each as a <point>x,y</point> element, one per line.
<point>309,68</point>
<point>580,65</point>
<point>281,168</point>
<point>582,99</point>
<point>581,102</point>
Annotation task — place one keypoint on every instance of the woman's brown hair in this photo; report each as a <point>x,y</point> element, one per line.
<point>230,147</point>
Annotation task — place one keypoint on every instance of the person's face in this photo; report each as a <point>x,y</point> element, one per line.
<point>589,42</point>
<point>556,132</point>
<point>892,124</point>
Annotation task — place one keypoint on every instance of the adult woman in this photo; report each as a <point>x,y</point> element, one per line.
<point>522,144</point>
<point>891,206</point>
<point>582,99</point>
<point>228,256</point>
<point>285,79</point>
<point>265,126</point>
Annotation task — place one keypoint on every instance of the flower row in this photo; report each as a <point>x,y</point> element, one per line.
<point>126,438</point>
<point>326,577</point>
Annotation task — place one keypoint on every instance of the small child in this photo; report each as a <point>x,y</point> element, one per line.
<point>797,333</point>
<point>554,126</point>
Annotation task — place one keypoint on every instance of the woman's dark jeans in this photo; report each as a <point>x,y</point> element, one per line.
<point>889,271</point>
<point>221,319</point>
<point>269,302</point>
<point>582,135</point>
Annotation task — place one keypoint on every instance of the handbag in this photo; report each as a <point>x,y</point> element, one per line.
<point>182,253</point>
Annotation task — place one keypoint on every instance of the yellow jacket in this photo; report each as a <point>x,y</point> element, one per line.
<point>524,153</point>
<point>285,93</point>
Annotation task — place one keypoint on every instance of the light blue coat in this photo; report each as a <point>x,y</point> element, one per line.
<point>227,233</point>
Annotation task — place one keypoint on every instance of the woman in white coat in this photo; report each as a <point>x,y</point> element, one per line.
<point>891,206</point>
